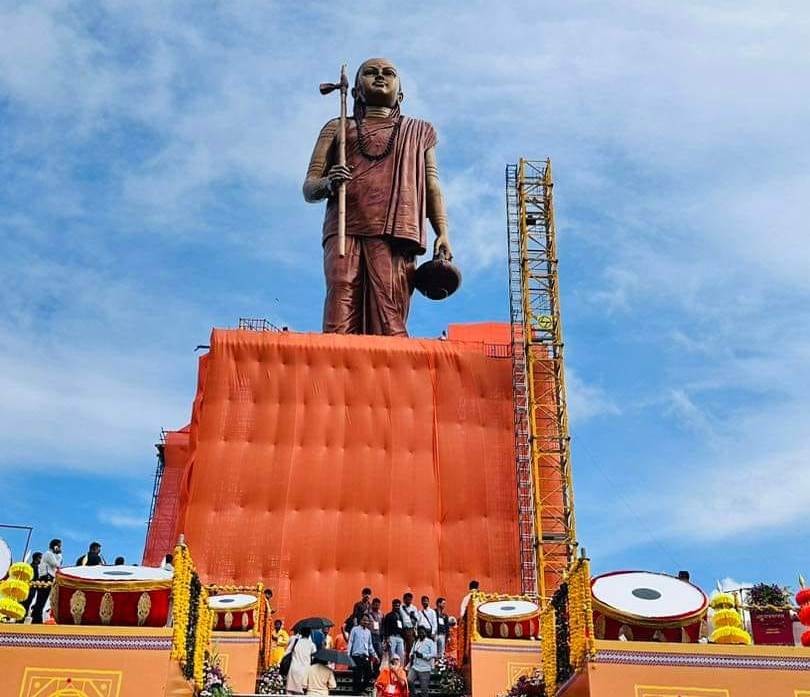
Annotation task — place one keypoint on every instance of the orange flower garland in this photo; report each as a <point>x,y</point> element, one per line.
<point>803,601</point>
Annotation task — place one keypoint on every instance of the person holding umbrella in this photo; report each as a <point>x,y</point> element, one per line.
<point>301,649</point>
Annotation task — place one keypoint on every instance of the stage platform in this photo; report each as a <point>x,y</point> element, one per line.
<point>642,669</point>
<point>47,660</point>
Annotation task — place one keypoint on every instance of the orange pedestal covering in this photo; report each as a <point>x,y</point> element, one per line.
<point>324,463</point>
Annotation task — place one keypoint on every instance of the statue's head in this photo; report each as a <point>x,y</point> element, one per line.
<point>376,84</point>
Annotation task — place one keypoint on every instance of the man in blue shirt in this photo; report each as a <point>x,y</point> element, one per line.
<point>422,655</point>
<point>361,649</point>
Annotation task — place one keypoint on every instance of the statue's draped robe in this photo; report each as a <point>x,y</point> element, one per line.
<point>369,290</point>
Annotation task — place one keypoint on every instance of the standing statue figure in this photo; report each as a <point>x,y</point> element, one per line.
<point>392,184</point>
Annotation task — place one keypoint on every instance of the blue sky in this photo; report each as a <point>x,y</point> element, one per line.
<point>152,154</point>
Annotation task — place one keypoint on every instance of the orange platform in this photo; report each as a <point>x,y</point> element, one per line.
<point>642,669</point>
<point>323,463</point>
<point>43,660</point>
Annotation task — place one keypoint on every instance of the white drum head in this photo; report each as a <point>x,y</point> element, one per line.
<point>124,572</point>
<point>231,601</point>
<point>647,595</point>
<point>5,558</point>
<point>508,609</point>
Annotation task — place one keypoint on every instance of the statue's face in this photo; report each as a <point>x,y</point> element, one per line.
<point>378,82</point>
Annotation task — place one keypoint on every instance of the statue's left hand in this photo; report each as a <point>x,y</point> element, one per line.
<point>441,248</point>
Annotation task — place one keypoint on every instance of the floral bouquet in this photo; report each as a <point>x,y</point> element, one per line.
<point>451,679</point>
<point>531,685</point>
<point>271,682</point>
<point>215,682</point>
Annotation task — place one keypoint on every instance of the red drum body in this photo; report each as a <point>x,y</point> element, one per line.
<point>234,612</point>
<point>645,606</point>
<point>118,596</point>
<point>508,619</point>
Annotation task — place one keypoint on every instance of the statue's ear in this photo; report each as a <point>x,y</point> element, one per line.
<point>354,93</point>
<point>401,97</point>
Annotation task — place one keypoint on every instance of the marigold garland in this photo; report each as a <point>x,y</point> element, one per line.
<point>12,609</point>
<point>12,588</point>
<point>180,601</point>
<point>580,613</point>
<point>806,638</point>
<point>549,649</point>
<point>730,635</point>
<point>21,571</point>
<point>723,601</point>
<point>726,618</point>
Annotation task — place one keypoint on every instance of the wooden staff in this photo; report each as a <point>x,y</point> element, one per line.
<point>327,88</point>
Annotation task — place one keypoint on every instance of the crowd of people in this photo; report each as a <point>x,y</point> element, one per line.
<point>396,650</point>
<point>45,565</point>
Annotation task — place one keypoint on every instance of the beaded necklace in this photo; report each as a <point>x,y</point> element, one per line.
<point>361,141</point>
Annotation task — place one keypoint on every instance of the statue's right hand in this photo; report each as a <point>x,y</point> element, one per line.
<point>337,175</point>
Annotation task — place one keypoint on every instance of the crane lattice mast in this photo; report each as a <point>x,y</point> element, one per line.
<point>547,531</point>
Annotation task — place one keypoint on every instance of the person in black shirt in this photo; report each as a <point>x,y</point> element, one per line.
<point>362,607</point>
<point>36,558</point>
<point>93,556</point>
<point>392,631</point>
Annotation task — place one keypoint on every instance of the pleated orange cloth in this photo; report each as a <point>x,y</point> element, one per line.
<point>324,463</point>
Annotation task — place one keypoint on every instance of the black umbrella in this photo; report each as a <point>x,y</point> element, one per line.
<point>332,656</point>
<point>313,623</point>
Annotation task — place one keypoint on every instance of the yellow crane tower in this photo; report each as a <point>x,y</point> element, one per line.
<point>547,530</point>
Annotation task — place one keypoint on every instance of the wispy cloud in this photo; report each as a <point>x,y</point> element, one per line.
<point>120,519</point>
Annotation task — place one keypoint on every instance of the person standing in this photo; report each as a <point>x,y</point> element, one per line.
<point>166,564</point>
<point>473,587</point>
<point>320,678</point>
<point>426,617</point>
<point>362,607</point>
<point>302,649</point>
<point>51,562</point>
<point>393,630</point>
<point>442,627</point>
<point>392,681</point>
<point>36,559</point>
<point>281,639</point>
<point>375,615</point>
<point>422,657</point>
<point>92,557</point>
<point>361,649</point>
<point>409,620</point>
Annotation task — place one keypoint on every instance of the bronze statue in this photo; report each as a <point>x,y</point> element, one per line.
<point>391,184</point>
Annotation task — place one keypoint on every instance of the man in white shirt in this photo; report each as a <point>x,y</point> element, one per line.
<point>442,627</point>
<point>51,561</point>
<point>466,599</point>
<point>427,618</point>
<point>422,656</point>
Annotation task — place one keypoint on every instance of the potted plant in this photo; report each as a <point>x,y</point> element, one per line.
<point>769,607</point>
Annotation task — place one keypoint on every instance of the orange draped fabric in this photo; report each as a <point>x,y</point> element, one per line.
<point>324,463</point>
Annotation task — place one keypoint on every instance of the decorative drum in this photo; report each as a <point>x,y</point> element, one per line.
<point>646,606</point>
<point>121,596</point>
<point>508,619</point>
<point>234,612</point>
<point>5,558</point>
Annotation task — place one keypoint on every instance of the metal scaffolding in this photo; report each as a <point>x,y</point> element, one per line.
<point>542,441</point>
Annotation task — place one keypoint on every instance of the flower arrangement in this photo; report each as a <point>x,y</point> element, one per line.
<point>768,595</point>
<point>451,679</point>
<point>530,685</point>
<point>271,682</point>
<point>13,590</point>
<point>215,682</point>
<point>728,625</point>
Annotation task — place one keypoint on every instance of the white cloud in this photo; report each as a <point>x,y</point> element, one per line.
<point>121,519</point>
<point>587,401</point>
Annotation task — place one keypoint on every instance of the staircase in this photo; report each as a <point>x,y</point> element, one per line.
<point>344,687</point>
